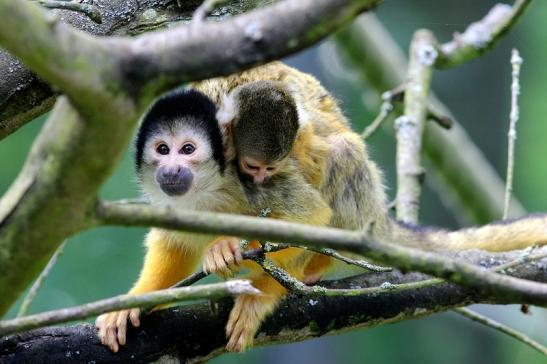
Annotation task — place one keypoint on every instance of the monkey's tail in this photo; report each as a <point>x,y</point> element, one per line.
<point>503,235</point>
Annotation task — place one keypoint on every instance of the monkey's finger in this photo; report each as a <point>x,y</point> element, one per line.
<point>220,264</point>
<point>121,324</point>
<point>227,254</point>
<point>207,263</point>
<point>234,245</point>
<point>99,324</point>
<point>134,317</point>
<point>110,337</point>
<point>230,260</point>
<point>236,338</point>
<point>234,317</point>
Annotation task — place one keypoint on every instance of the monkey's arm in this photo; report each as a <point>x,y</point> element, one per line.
<point>166,262</point>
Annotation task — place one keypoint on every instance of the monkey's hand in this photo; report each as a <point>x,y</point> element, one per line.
<point>223,257</point>
<point>113,327</point>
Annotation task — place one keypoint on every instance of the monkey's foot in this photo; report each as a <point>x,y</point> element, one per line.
<point>223,257</point>
<point>244,321</point>
<point>313,278</point>
<point>113,327</point>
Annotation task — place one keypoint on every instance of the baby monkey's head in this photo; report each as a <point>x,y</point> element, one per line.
<point>179,146</point>
<point>262,119</point>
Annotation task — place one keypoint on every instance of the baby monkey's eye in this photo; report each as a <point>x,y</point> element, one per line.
<point>187,149</point>
<point>162,149</point>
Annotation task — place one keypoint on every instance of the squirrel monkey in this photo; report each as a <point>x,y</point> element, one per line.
<point>334,160</point>
<point>181,163</point>
<point>327,178</point>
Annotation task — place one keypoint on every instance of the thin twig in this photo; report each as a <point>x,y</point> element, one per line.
<point>385,111</point>
<point>89,10</point>
<point>205,9</point>
<point>263,213</point>
<point>502,328</point>
<point>269,247</point>
<point>516,62</point>
<point>206,291</point>
<point>40,280</point>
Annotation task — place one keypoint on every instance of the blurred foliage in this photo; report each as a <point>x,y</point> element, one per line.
<point>104,262</point>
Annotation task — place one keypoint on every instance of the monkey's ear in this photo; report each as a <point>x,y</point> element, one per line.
<point>226,116</point>
<point>227,111</point>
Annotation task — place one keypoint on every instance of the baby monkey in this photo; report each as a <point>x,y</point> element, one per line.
<point>261,120</point>
<point>181,164</point>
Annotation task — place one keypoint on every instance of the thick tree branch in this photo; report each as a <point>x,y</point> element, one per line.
<point>196,332</point>
<point>49,199</point>
<point>23,96</point>
<point>253,38</point>
<point>390,254</point>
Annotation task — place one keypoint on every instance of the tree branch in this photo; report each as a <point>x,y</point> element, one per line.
<point>390,254</point>
<point>369,50</point>
<point>89,10</point>
<point>146,300</point>
<point>23,96</point>
<point>196,332</point>
<point>410,126</point>
<point>253,38</point>
<point>502,328</point>
<point>78,150</point>
<point>481,36</point>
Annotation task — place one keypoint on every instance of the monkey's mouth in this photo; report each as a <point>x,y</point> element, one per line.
<point>175,189</point>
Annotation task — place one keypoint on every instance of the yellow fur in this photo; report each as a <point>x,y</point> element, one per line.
<point>335,184</point>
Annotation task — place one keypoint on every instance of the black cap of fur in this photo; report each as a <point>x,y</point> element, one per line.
<point>182,105</point>
<point>267,122</point>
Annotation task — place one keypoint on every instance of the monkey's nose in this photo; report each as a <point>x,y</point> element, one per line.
<point>174,182</point>
<point>259,174</point>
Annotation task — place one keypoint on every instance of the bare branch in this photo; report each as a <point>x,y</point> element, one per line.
<point>481,36</point>
<point>23,309</point>
<point>385,111</point>
<point>410,126</point>
<point>206,291</point>
<point>516,62</point>
<point>370,51</point>
<point>204,9</point>
<point>196,332</point>
<point>386,253</point>
<point>253,38</point>
<point>89,10</point>
<point>502,328</point>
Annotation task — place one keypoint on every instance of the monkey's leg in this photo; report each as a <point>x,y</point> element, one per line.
<point>249,311</point>
<point>166,263</point>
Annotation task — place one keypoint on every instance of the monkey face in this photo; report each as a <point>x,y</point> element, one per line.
<point>178,161</point>
<point>252,169</point>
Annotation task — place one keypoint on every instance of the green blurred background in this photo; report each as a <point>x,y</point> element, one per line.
<point>104,262</point>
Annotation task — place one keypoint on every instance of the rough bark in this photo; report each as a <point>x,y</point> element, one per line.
<point>23,96</point>
<point>196,332</point>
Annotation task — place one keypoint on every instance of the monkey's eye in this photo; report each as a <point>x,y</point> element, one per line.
<point>187,149</point>
<point>251,166</point>
<point>162,149</point>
